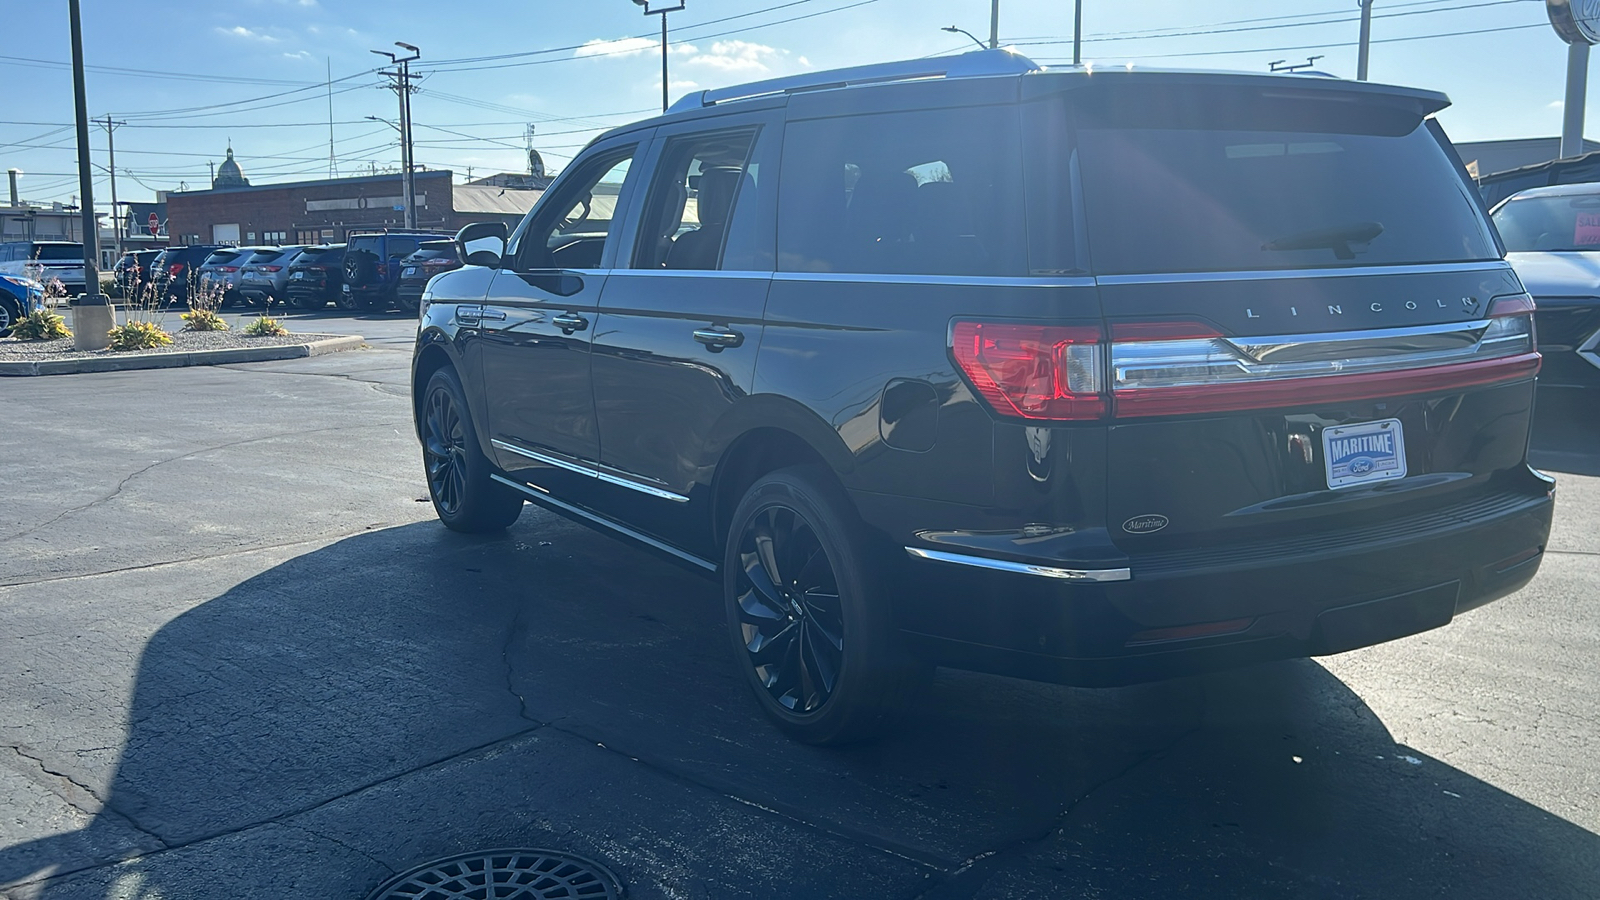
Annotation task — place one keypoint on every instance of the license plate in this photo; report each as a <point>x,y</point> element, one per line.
<point>1365,453</point>
<point>297,276</point>
<point>408,270</point>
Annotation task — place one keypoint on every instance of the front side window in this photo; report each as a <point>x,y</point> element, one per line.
<point>1560,224</point>
<point>685,222</point>
<point>570,230</point>
<point>918,193</point>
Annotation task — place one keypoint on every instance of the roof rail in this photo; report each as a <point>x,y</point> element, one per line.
<point>975,64</point>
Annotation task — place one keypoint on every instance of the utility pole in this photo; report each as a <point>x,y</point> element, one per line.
<point>333,167</point>
<point>111,151</point>
<point>645,4</point>
<point>91,319</point>
<point>994,25</point>
<point>1077,33</point>
<point>402,86</point>
<point>1366,39</point>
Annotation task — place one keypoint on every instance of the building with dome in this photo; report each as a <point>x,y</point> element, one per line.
<point>229,175</point>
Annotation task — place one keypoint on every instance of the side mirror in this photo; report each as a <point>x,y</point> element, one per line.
<point>482,244</point>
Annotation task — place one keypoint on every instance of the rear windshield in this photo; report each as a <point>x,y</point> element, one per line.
<point>265,256</point>
<point>1256,182</point>
<point>57,252</point>
<point>426,253</point>
<point>369,244</point>
<point>318,254</point>
<point>1569,223</point>
<point>220,257</point>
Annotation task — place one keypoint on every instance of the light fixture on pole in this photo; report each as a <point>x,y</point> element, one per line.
<point>1580,28</point>
<point>662,12</point>
<point>954,30</point>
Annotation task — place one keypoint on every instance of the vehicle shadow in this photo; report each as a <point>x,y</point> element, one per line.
<point>396,649</point>
<point>1566,431</point>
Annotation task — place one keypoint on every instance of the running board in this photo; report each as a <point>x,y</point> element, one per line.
<point>616,529</point>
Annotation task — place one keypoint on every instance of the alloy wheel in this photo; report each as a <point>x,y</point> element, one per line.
<point>790,616</point>
<point>444,450</point>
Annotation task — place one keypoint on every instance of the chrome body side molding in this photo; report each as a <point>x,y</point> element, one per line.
<point>607,477</point>
<point>1001,565</point>
<point>544,499</point>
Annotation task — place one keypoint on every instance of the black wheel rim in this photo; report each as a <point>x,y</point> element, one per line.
<point>444,451</point>
<point>790,617</point>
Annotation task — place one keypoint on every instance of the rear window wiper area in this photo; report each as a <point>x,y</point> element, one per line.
<point>1337,239</point>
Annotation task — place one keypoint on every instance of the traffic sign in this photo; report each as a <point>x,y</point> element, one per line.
<point>154,224</point>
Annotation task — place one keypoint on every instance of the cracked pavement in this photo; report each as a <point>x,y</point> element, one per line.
<point>237,657</point>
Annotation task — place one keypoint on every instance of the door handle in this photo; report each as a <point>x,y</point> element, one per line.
<point>570,322</point>
<point>718,338</point>
<point>498,315</point>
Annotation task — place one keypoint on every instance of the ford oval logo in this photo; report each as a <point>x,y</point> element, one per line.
<point>1144,524</point>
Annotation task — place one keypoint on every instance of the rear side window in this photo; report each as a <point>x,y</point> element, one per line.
<point>918,193</point>
<point>1569,223</point>
<point>402,247</point>
<point>685,222</point>
<point>1241,180</point>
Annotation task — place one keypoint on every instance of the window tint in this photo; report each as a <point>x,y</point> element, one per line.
<point>220,257</point>
<point>263,256</point>
<point>685,220</point>
<point>919,193</point>
<point>1241,180</point>
<point>403,246</point>
<point>367,242</point>
<point>57,252</point>
<point>569,230</point>
<point>1569,223</point>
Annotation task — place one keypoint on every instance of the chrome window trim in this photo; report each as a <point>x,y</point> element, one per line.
<point>545,498</point>
<point>607,477</point>
<point>695,273</point>
<point>1051,281</point>
<point>1277,274</point>
<point>982,562</point>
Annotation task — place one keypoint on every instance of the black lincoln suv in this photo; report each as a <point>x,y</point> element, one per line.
<point>1091,379</point>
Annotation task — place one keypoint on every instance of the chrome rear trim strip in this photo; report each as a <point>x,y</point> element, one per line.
<point>981,562</point>
<point>547,500</point>
<point>592,473</point>
<point>1278,274</point>
<point>1043,281</point>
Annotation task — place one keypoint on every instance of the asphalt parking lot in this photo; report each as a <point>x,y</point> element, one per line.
<point>239,657</point>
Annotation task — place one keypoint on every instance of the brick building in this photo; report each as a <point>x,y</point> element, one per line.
<point>326,211</point>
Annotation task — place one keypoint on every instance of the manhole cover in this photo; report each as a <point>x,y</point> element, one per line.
<point>503,875</point>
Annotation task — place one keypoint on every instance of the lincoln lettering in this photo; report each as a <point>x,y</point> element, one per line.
<point>1366,443</point>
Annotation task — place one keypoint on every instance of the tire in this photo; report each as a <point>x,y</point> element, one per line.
<point>10,315</point>
<point>345,301</point>
<point>831,618</point>
<point>463,495</point>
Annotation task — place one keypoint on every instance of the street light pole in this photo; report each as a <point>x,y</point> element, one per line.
<point>111,153</point>
<point>1077,33</point>
<point>645,5</point>
<point>1366,39</point>
<point>994,25</point>
<point>91,319</point>
<point>402,86</point>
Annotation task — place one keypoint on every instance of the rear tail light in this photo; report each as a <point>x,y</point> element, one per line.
<point>269,268</point>
<point>1034,371</point>
<point>1066,373</point>
<point>175,269</point>
<point>227,268</point>
<point>383,270</point>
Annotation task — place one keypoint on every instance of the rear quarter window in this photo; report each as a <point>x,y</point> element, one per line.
<point>934,192</point>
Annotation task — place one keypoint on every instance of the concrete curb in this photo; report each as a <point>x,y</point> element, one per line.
<point>131,361</point>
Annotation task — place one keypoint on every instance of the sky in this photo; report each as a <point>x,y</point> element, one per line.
<point>187,78</point>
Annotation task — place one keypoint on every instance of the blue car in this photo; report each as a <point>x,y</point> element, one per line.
<point>18,297</point>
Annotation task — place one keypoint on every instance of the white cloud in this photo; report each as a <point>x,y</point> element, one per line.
<point>243,32</point>
<point>624,47</point>
<point>1559,104</point>
<point>298,54</point>
<point>738,56</point>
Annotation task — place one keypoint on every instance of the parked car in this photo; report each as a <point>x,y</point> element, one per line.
<point>265,274</point>
<point>177,270</point>
<point>221,270</point>
<point>1093,379</point>
<point>372,266</point>
<point>18,297</point>
<point>132,271</point>
<point>1552,238</point>
<point>316,276</point>
<point>432,258</point>
<point>45,261</point>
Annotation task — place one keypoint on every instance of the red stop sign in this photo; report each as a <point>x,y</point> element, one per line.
<point>154,224</point>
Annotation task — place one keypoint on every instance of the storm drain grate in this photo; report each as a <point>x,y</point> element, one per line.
<point>504,875</point>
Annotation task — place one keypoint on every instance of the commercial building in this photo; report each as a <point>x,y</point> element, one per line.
<point>328,210</point>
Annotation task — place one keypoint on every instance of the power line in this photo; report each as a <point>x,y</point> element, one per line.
<point>1395,40</point>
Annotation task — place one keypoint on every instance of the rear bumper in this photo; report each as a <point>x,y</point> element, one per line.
<point>1185,612</point>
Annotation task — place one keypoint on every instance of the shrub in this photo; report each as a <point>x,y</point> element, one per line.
<point>199,319</point>
<point>266,326</point>
<point>137,335</point>
<point>41,325</point>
